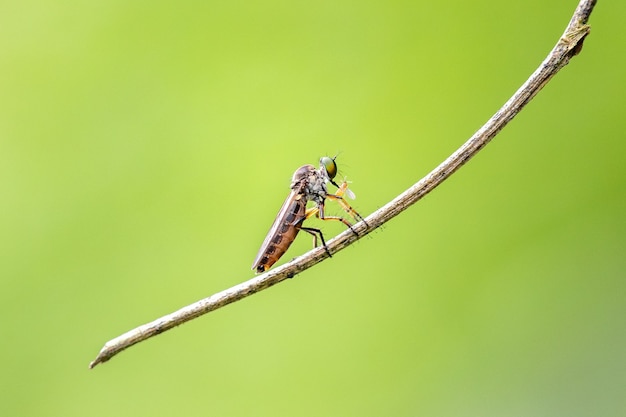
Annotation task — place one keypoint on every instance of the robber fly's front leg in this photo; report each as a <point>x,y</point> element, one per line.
<point>338,197</point>
<point>319,213</point>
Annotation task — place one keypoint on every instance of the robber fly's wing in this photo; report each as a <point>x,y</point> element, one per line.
<point>277,225</point>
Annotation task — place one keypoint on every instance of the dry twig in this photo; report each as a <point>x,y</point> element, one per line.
<point>568,46</point>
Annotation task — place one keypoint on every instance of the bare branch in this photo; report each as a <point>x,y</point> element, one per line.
<point>569,45</point>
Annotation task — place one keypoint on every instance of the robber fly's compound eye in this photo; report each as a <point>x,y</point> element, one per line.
<point>330,166</point>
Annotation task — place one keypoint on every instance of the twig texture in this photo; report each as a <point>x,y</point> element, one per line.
<point>567,47</point>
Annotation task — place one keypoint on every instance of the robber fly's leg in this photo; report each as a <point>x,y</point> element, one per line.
<point>346,207</point>
<point>313,211</point>
<point>338,197</point>
<point>316,233</point>
<point>341,219</point>
<point>319,212</point>
<point>342,202</point>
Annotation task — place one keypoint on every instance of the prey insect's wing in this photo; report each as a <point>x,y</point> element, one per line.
<point>344,190</point>
<point>350,194</point>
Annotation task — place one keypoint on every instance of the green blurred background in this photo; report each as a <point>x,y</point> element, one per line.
<point>145,148</point>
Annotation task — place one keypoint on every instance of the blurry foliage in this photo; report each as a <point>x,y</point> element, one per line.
<point>145,148</point>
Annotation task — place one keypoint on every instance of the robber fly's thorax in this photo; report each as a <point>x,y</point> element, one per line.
<point>310,183</point>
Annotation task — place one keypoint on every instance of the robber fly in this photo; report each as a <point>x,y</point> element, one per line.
<point>307,184</point>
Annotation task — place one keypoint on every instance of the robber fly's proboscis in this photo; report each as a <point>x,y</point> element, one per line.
<point>307,184</point>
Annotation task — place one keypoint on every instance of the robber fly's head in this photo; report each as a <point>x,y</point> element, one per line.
<point>328,165</point>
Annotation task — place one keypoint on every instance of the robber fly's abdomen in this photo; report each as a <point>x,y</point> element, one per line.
<point>281,235</point>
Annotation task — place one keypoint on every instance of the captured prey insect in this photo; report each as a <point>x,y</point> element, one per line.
<point>307,184</point>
